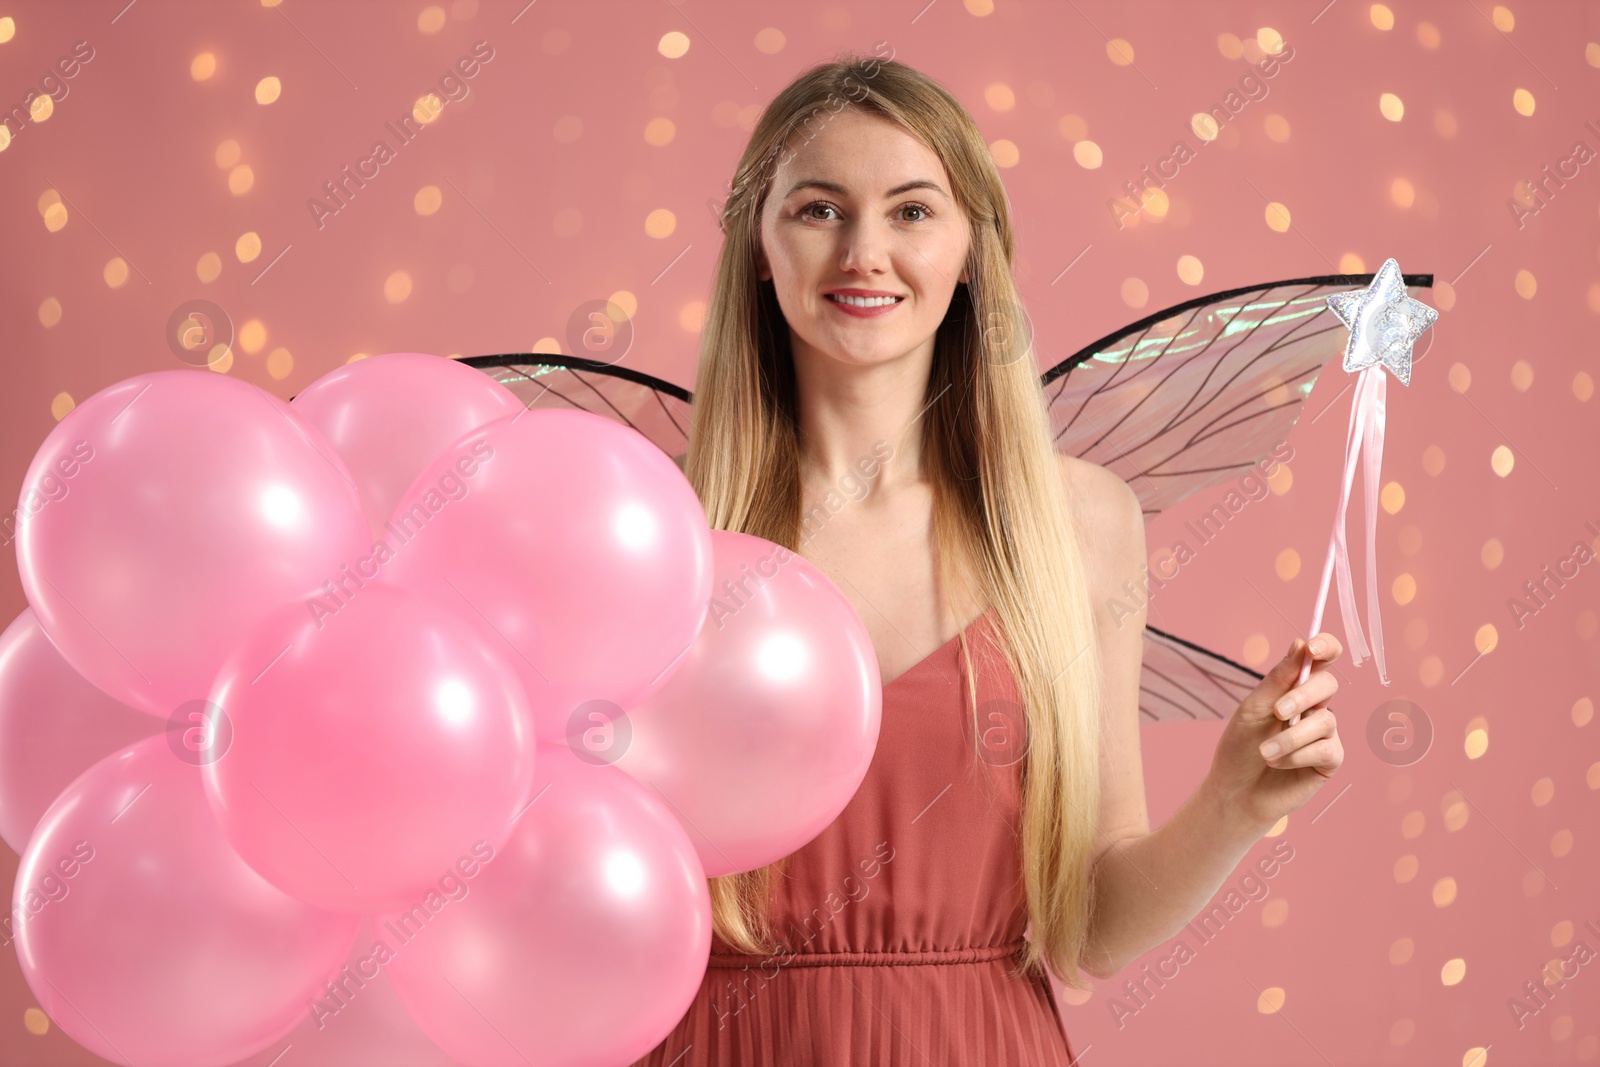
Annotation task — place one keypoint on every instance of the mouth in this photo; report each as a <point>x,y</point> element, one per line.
<point>859,305</point>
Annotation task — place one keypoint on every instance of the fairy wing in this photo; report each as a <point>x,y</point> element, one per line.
<point>1189,397</point>
<point>656,408</point>
<point>1202,391</point>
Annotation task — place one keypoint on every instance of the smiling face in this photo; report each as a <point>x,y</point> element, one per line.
<point>862,205</point>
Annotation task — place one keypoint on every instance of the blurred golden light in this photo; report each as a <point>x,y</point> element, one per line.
<point>660,223</point>
<point>1276,127</point>
<point>427,108</point>
<point>1087,155</point>
<point>1119,52</point>
<point>1428,35</point>
<point>1504,21</point>
<point>1381,17</point>
<point>116,272</point>
<point>8,29</point>
<point>673,44</point>
<point>1287,564</point>
<point>1135,293</point>
<point>208,266</point>
<point>980,8</point>
<point>397,287</point>
<point>240,179</point>
<point>1277,217</point>
<point>268,89</point>
<point>1005,153</point>
<point>202,66</point>
<point>49,312</point>
<point>431,19</point>
<point>427,200</point>
<point>1393,497</point>
<point>692,316</point>
<point>659,132</point>
<point>999,96</point>
<point>1230,46</point>
<point>280,363</point>
<point>1526,284</point>
<point>1486,638</point>
<point>770,40</point>
<point>1270,40</point>
<point>1522,375</point>
<point>1072,127</point>
<point>227,154</point>
<point>1402,192</point>
<point>247,247</point>
<point>252,336</point>
<point>1190,270</point>
<point>1522,102</point>
<point>1493,553</point>
<point>1502,461</point>
<point>61,405</point>
<point>1390,107</point>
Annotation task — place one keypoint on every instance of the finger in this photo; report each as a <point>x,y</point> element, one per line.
<point>1323,754</point>
<point>1325,648</point>
<point>1318,689</point>
<point>1318,724</point>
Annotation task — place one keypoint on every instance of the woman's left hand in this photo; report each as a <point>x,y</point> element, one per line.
<point>1265,786</point>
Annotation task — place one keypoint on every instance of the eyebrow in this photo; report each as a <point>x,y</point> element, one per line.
<point>839,190</point>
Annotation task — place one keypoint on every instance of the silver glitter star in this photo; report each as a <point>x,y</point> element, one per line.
<point>1384,322</point>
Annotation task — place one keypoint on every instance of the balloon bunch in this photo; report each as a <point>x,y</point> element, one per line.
<point>405,652</point>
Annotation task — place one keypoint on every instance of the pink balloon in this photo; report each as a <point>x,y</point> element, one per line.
<point>146,938</point>
<point>764,733</point>
<point>54,726</point>
<point>356,1019</point>
<point>389,415</point>
<point>581,942</point>
<point>370,748</point>
<point>575,542</point>
<point>164,515</point>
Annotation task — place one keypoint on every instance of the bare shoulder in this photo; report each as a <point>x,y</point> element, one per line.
<point>1112,520</point>
<point>1106,500</point>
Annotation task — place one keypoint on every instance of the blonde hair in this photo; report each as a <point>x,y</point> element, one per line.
<point>1001,511</point>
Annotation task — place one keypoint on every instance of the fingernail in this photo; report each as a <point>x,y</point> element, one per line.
<point>1284,706</point>
<point>1269,749</point>
<point>1317,647</point>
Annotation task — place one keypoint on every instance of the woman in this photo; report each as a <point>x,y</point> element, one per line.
<point>865,398</point>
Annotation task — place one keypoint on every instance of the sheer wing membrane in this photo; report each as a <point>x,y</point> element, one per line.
<point>1200,392</point>
<point>657,409</point>
<point>1182,682</point>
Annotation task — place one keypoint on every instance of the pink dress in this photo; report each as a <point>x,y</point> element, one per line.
<point>902,919</point>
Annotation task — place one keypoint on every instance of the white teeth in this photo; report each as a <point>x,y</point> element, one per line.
<point>865,301</point>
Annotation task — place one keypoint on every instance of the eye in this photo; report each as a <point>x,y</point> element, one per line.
<point>805,212</point>
<point>927,212</point>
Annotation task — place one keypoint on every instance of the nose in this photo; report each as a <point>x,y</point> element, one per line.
<point>866,246</point>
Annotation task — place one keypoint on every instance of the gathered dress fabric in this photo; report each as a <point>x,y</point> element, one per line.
<point>901,924</point>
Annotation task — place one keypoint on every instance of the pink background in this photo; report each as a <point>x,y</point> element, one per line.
<point>547,187</point>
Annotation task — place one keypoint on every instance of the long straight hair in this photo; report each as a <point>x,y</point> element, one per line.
<point>1002,519</point>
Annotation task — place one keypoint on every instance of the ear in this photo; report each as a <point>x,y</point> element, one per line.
<point>963,278</point>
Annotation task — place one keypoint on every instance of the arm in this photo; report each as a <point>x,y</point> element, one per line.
<point>1150,884</point>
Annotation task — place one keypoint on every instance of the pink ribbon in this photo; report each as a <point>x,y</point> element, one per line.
<point>1366,432</point>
